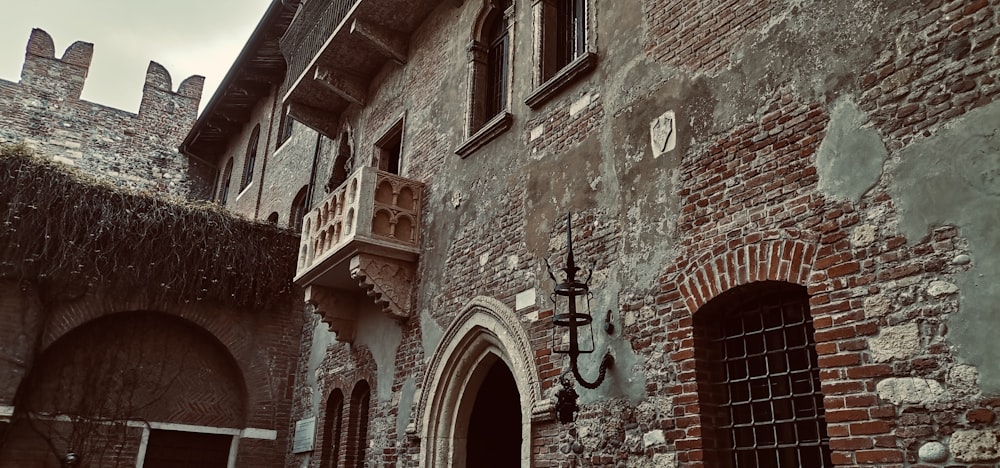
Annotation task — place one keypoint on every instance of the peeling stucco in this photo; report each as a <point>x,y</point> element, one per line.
<point>850,158</point>
<point>382,336</point>
<point>953,178</point>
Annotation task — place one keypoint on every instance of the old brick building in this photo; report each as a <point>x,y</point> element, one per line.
<point>787,211</point>
<point>104,350</point>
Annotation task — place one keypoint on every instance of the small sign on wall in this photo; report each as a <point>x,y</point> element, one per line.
<point>305,432</point>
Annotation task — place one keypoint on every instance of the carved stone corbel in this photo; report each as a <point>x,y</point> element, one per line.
<point>388,281</point>
<point>336,308</point>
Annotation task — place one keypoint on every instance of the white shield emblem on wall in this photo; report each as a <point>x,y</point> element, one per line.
<point>663,134</point>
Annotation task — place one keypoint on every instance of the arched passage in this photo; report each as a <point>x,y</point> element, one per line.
<point>94,389</point>
<point>486,337</point>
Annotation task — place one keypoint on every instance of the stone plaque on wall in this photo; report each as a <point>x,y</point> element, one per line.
<point>305,432</point>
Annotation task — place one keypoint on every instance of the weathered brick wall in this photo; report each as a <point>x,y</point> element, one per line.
<point>841,146</point>
<point>139,151</point>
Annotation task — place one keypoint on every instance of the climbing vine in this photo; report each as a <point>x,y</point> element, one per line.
<point>64,229</point>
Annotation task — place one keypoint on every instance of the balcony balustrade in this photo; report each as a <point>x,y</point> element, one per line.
<point>365,233</point>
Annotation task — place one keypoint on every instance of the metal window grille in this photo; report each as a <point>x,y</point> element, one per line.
<point>761,399</point>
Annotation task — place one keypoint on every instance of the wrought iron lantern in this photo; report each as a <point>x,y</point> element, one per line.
<point>571,300</point>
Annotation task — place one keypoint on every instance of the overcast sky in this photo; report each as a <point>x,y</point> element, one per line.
<point>188,37</point>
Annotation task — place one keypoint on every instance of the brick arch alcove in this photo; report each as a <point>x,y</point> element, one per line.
<point>152,366</point>
<point>485,332</point>
<point>220,323</point>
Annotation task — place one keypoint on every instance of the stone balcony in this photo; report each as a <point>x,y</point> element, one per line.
<point>334,48</point>
<point>363,239</point>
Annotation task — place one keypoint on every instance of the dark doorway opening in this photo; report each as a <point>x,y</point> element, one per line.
<point>170,449</point>
<point>390,149</point>
<point>494,438</point>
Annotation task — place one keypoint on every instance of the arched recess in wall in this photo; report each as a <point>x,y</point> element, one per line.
<point>222,324</point>
<point>140,366</point>
<point>484,334</point>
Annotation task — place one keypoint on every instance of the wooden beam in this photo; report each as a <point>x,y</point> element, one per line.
<point>388,42</point>
<point>343,84</point>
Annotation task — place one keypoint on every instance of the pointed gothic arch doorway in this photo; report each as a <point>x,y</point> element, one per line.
<point>482,392</point>
<point>490,429</point>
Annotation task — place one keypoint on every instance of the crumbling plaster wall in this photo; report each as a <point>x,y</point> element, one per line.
<point>853,86</point>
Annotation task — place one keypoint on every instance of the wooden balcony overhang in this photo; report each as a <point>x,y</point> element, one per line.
<point>335,48</point>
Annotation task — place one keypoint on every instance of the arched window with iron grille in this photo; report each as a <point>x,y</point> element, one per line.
<point>758,379</point>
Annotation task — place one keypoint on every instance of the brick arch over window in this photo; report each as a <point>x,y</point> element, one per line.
<point>484,332</point>
<point>747,260</point>
<point>220,323</point>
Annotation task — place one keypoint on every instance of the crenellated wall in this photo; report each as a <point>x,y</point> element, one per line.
<point>139,151</point>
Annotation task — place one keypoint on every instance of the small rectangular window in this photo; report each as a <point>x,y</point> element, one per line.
<point>389,149</point>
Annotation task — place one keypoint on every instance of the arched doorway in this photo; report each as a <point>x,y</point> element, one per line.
<point>493,439</point>
<point>482,392</point>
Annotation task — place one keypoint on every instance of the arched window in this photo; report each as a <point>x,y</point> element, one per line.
<point>490,55</point>
<point>299,208</point>
<point>227,177</point>
<point>331,429</point>
<point>273,218</point>
<point>497,42</point>
<point>251,157</point>
<point>357,429</point>
<point>758,380</point>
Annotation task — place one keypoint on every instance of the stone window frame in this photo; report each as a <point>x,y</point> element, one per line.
<point>392,131</point>
<point>479,128</point>
<point>549,78</point>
